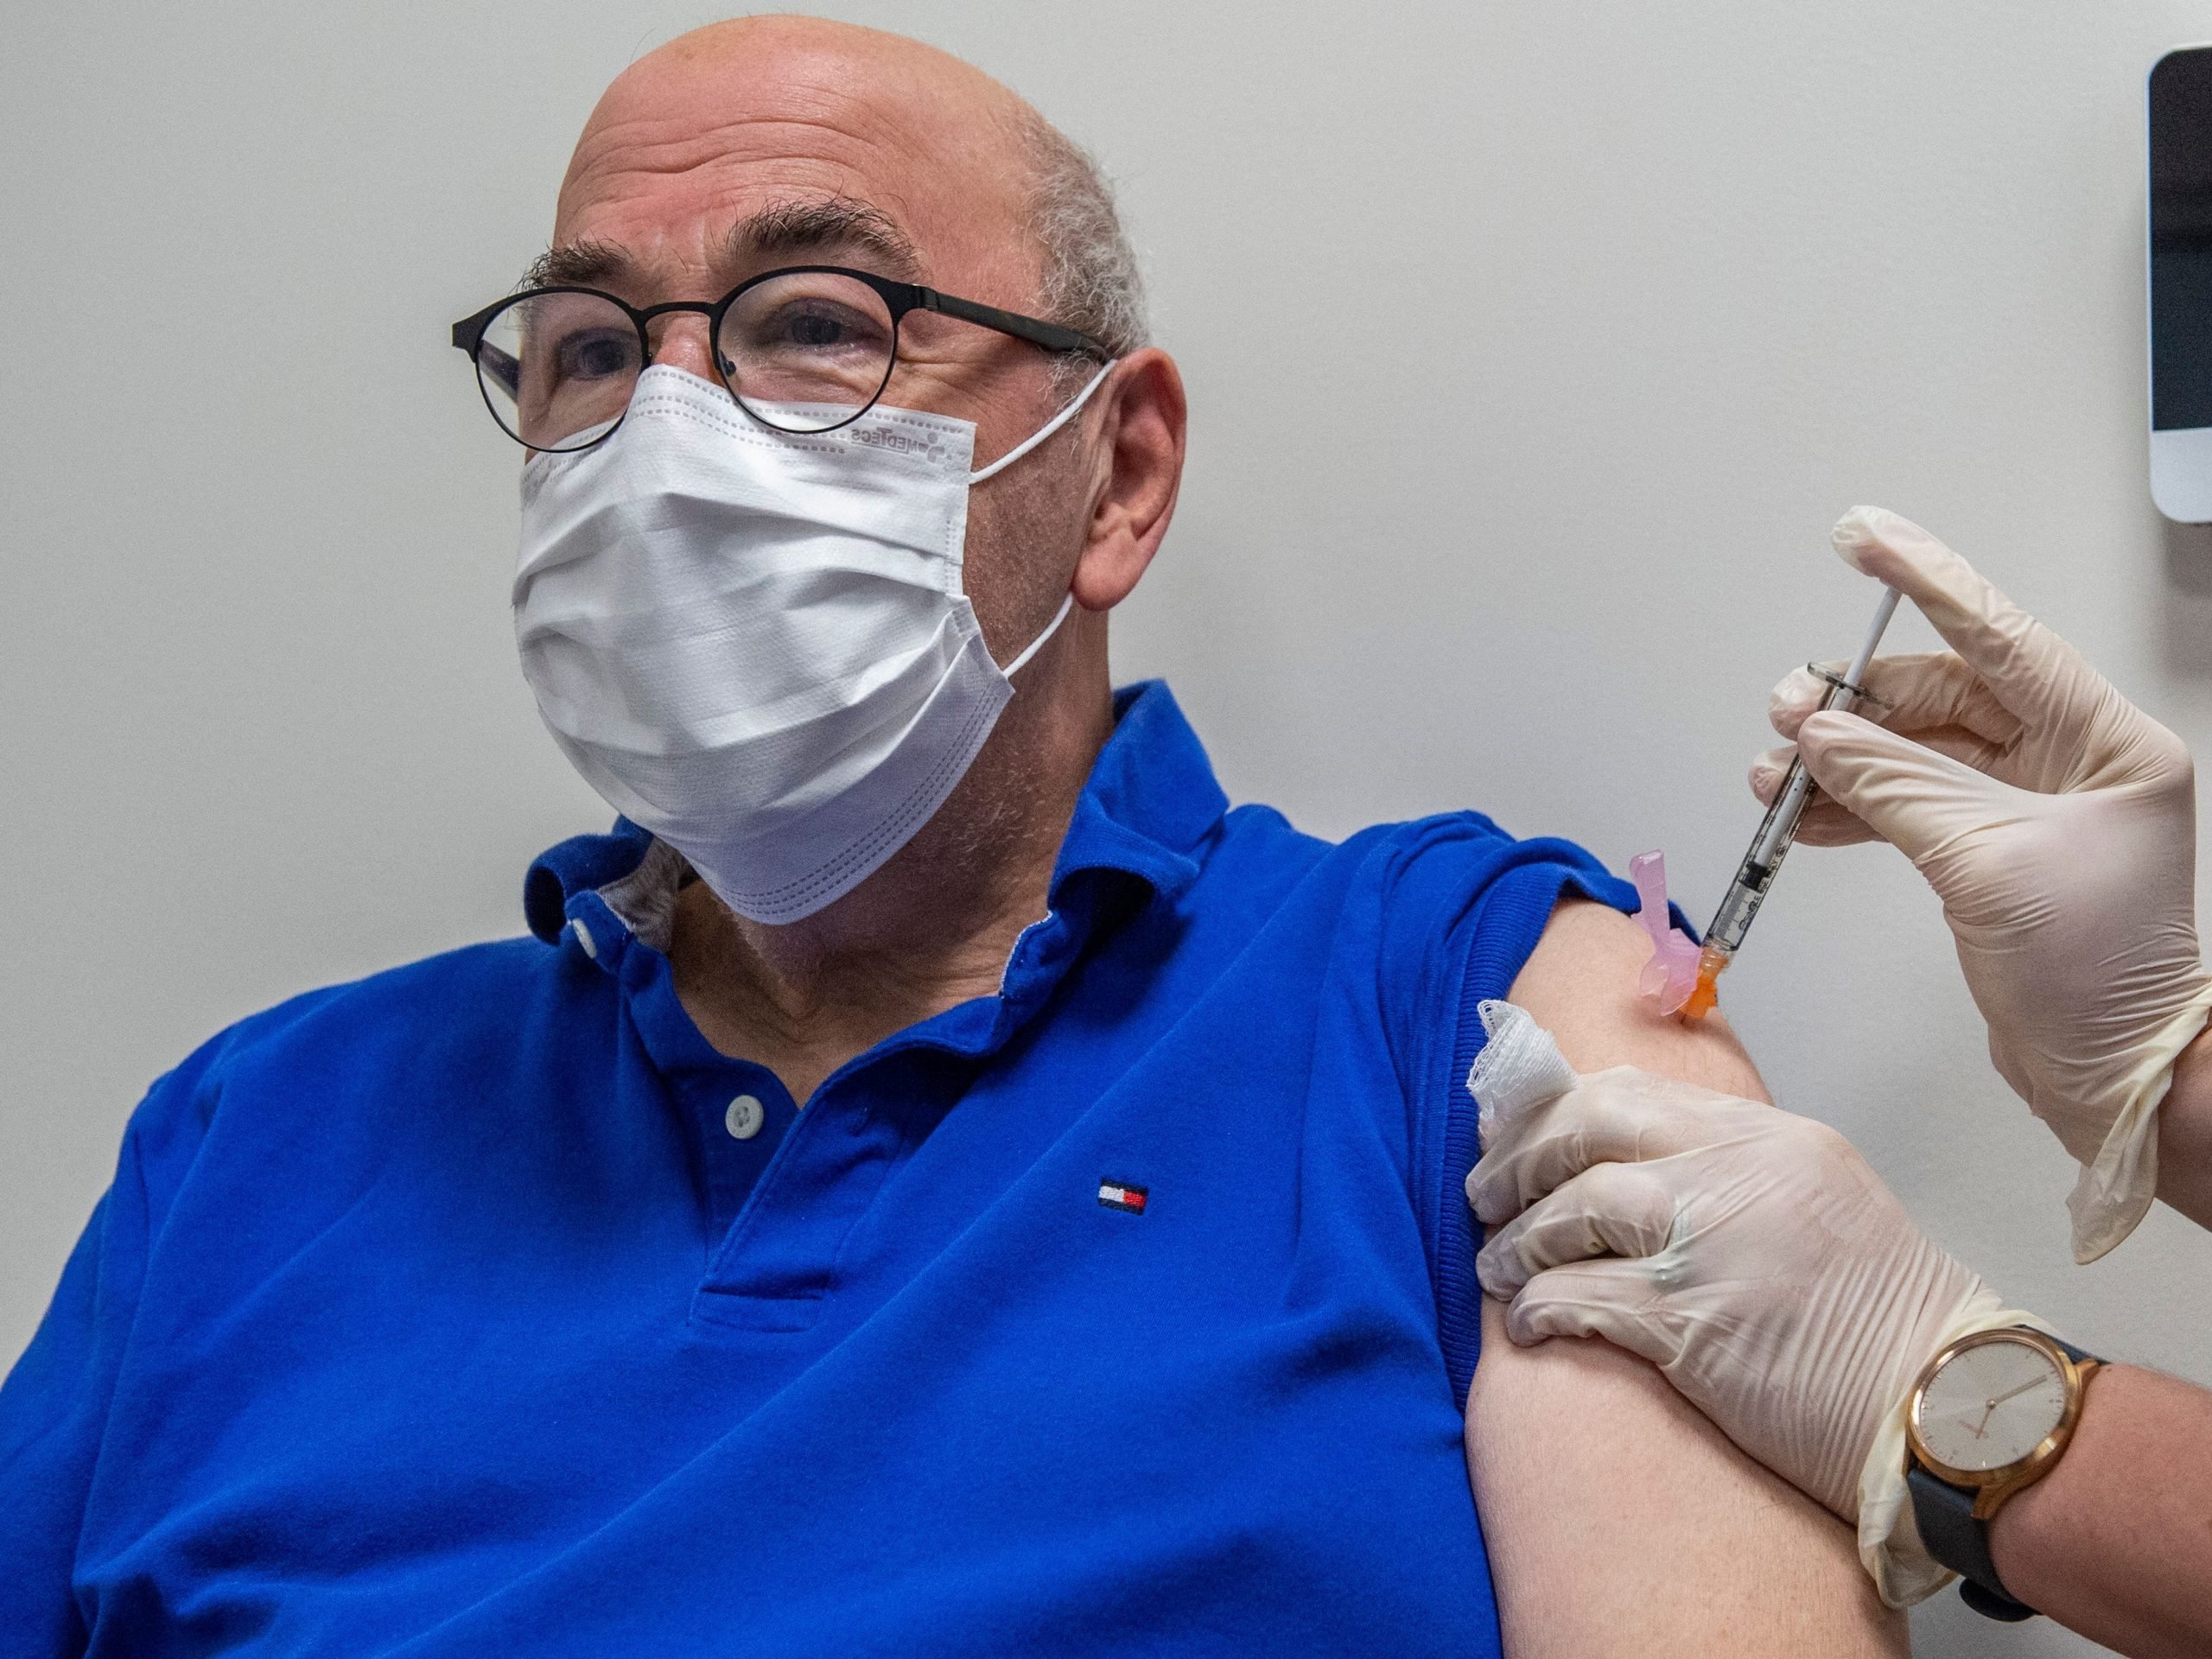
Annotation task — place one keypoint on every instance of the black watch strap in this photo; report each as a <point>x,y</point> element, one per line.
<point>1944,1514</point>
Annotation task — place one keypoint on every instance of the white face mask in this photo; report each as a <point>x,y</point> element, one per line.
<point>756,645</point>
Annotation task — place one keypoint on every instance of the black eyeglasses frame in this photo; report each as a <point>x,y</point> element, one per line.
<point>899,298</point>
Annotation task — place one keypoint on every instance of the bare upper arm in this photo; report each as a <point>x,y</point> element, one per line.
<point>1618,1519</point>
<point>1579,983</point>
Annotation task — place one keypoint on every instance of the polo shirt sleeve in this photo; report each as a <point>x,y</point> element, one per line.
<point>54,1405</point>
<point>53,1409</point>
<point>1464,904</point>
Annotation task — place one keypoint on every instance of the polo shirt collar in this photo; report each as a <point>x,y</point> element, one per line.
<point>1150,802</point>
<point>1145,812</point>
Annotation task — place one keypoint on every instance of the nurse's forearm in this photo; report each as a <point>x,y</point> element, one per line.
<point>2185,1134</point>
<point>2116,1541</point>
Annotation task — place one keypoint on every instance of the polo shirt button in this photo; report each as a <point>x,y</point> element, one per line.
<point>583,936</point>
<point>744,1118</point>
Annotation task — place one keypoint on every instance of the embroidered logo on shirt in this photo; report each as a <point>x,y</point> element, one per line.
<point>1116,1196</point>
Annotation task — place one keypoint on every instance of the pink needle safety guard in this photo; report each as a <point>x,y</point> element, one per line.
<point>1670,974</point>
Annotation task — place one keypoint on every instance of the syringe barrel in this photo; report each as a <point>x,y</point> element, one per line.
<point>1776,831</point>
<point>1779,830</point>
<point>1733,919</point>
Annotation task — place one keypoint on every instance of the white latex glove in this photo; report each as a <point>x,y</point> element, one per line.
<point>2057,824</point>
<point>1756,1260</point>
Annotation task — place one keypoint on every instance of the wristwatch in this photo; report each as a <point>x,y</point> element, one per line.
<point>1990,1416</point>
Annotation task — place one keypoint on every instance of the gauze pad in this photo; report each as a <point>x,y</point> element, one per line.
<point>1520,1066</point>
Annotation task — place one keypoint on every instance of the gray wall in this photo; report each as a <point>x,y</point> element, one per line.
<point>1532,350</point>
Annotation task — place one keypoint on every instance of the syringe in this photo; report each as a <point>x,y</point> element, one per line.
<point>1777,830</point>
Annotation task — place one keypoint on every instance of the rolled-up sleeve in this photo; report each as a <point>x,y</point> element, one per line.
<point>1465,906</point>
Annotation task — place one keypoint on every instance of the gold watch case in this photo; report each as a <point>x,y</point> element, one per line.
<point>1992,1487</point>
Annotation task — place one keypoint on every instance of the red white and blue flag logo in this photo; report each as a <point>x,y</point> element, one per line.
<point>1118,1195</point>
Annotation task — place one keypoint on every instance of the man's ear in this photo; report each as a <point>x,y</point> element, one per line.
<point>1140,468</point>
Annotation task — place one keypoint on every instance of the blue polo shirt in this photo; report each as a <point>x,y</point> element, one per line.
<point>482,1308</point>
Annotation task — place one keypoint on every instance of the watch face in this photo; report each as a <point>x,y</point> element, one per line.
<point>1991,1405</point>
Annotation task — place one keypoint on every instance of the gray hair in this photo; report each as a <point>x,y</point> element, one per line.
<point>1090,281</point>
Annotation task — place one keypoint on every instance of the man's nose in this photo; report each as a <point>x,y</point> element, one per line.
<point>681,341</point>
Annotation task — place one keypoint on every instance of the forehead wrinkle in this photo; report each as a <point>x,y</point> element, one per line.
<point>664,144</point>
<point>832,132</point>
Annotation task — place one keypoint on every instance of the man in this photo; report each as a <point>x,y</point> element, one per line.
<point>936,1182</point>
<point>1756,1260</point>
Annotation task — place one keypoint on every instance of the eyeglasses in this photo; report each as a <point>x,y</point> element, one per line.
<point>808,348</point>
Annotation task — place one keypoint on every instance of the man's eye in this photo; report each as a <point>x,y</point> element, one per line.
<point>596,356</point>
<point>818,331</point>
<point>818,327</point>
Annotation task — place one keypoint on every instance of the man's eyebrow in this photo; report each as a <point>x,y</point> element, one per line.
<point>579,264</point>
<point>788,231</point>
<point>796,230</point>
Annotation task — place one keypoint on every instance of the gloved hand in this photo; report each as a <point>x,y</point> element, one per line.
<point>1756,1260</point>
<point>2057,824</point>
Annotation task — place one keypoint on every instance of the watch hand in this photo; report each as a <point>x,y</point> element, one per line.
<point>2032,1382</point>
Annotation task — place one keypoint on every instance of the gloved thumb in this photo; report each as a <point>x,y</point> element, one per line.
<point>1612,1297</point>
<point>1913,798</point>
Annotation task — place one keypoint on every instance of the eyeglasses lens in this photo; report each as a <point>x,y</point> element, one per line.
<point>804,351</point>
<point>807,350</point>
<point>557,366</point>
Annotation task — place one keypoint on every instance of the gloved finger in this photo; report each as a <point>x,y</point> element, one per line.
<point>1823,823</point>
<point>1771,767</point>
<point>1908,694</point>
<point>1828,823</point>
<point>1617,1300</point>
<point>2030,669</point>
<point>1910,794</point>
<point>1619,1116</point>
<point>1608,1210</point>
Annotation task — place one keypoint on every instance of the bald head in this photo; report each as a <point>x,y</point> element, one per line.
<point>794,139</point>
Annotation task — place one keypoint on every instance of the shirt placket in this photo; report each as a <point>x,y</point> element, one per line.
<point>786,1254</point>
<point>737,1113</point>
<point>790,1249</point>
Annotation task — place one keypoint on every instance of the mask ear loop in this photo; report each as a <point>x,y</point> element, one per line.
<point>1045,430</point>
<point>1037,645</point>
<point>1007,459</point>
